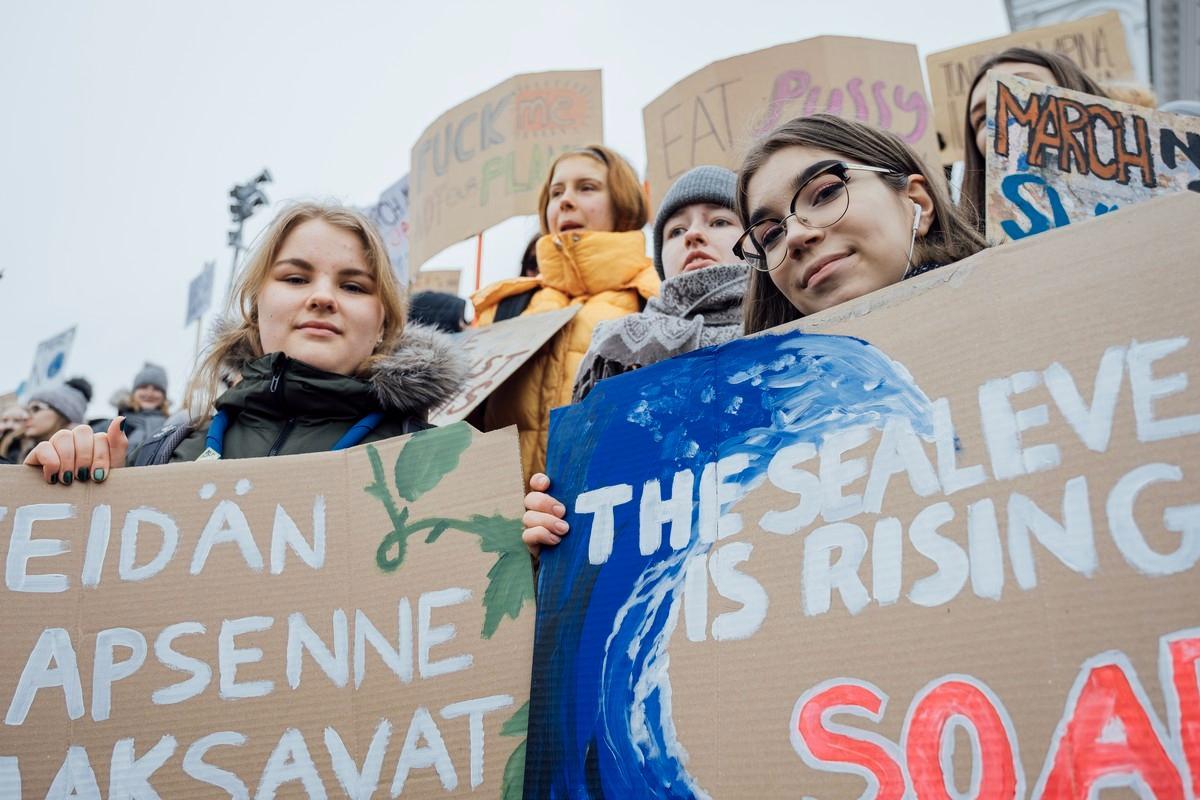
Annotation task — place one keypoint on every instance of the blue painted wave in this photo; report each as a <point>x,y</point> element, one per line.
<point>600,717</point>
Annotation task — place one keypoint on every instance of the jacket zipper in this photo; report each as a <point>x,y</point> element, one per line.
<point>282,437</point>
<point>277,371</point>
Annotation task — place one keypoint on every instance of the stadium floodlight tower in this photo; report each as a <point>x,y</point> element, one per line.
<point>244,199</point>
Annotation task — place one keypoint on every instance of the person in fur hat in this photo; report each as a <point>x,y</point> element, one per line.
<point>700,302</point>
<point>319,339</point>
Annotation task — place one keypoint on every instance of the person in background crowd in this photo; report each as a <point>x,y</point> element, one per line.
<point>592,254</point>
<point>1038,65</point>
<point>318,336</point>
<point>12,431</point>
<point>529,267</point>
<point>832,209</point>
<point>446,312</point>
<point>700,302</point>
<point>145,408</point>
<point>52,410</point>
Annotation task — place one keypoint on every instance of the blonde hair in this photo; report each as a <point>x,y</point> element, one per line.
<point>630,211</point>
<point>241,335</point>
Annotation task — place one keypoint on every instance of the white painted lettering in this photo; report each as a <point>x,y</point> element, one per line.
<point>229,657</point>
<point>22,547</point>
<point>201,671</point>
<point>430,635</point>
<point>53,647</point>
<point>783,474</point>
<point>600,503</point>
<point>285,533</point>
<point>1071,541</point>
<point>837,474</point>
<point>474,710</point>
<point>822,575</point>
<point>953,567</point>
<point>398,659</point>
<point>301,637</point>
<point>414,755</point>
<point>130,533</point>
<point>740,588</point>
<point>227,523</point>
<point>1184,520</point>
<point>677,510</point>
<point>106,670</point>
<point>196,767</point>
<point>1147,390</point>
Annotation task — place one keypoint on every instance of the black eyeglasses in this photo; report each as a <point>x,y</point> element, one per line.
<point>820,202</point>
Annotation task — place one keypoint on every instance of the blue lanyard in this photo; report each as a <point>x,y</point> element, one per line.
<point>215,439</point>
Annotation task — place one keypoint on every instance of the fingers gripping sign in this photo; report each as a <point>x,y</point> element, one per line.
<point>543,519</point>
<point>80,454</point>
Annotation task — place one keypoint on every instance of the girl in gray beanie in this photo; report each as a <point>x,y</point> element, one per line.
<point>700,303</point>
<point>51,409</point>
<point>146,409</point>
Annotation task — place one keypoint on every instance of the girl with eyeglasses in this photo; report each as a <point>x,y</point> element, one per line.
<point>831,209</point>
<point>834,209</point>
<point>318,339</point>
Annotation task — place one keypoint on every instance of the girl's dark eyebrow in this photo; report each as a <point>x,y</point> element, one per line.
<point>804,177</point>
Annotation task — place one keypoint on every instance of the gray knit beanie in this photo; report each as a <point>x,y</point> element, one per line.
<point>151,375</point>
<point>66,400</point>
<point>706,184</point>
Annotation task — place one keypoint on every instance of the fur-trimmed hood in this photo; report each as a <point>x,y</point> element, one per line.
<point>425,370</point>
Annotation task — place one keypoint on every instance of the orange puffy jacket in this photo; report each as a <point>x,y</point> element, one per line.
<point>610,275</point>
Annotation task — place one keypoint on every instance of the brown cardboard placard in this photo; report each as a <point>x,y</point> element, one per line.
<point>484,160</point>
<point>948,530</point>
<point>1056,156</point>
<point>313,625</point>
<point>714,114</point>
<point>495,352</point>
<point>1096,44</point>
<point>436,280</point>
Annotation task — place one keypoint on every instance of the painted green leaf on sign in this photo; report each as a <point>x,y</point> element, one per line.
<point>509,586</point>
<point>518,723</point>
<point>510,580</point>
<point>428,457</point>
<point>512,786</point>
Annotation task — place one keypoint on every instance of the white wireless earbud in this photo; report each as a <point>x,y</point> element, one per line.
<point>912,241</point>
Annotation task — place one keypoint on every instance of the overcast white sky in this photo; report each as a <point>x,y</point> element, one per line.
<point>124,123</point>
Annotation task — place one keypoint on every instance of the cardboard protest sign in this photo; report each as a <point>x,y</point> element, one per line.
<point>48,362</point>
<point>1096,44</point>
<point>308,626</point>
<point>390,216</point>
<point>1057,156</point>
<point>939,541</point>
<point>495,352</point>
<point>200,293</point>
<point>714,114</point>
<point>484,161</point>
<point>437,280</point>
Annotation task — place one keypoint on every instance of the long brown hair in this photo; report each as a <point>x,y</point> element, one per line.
<point>630,212</point>
<point>1067,74</point>
<point>948,239</point>
<point>240,333</point>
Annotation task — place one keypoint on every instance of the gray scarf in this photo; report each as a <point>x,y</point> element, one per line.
<point>693,310</point>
